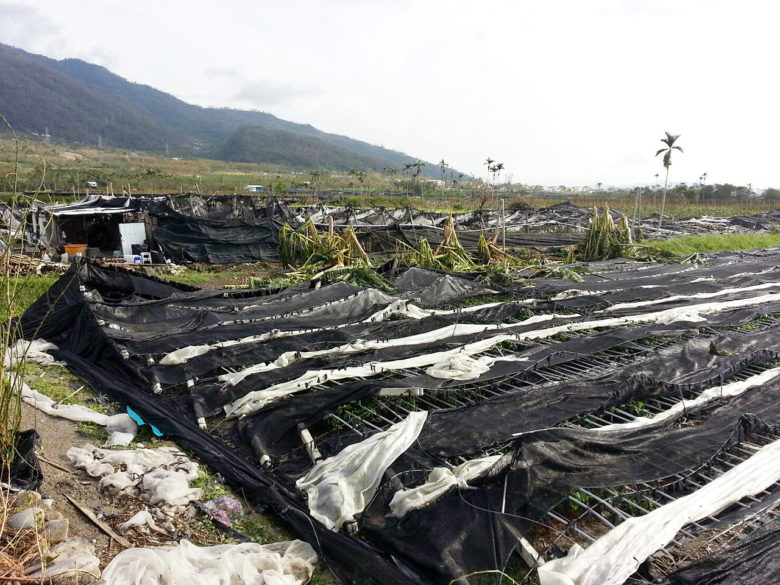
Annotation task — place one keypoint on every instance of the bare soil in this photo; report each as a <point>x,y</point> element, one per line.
<point>57,436</point>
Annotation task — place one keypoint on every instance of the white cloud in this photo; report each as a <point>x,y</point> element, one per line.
<point>264,94</point>
<point>23,25</point>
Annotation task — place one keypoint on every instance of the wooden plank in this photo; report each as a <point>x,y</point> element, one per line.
<point>55,465</point>
<point>99,523</point>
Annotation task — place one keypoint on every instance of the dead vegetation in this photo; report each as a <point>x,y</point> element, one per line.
<point>605,239</point>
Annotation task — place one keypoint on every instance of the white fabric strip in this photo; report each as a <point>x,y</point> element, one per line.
<point>405,308</point>
<point>281,563</point>
<point>36,351</point>
<point>359,345</point>
<point>615,556</point>
<point>440,481</point>
<point>121,428</point>
<point>726,391</point>
<point>693,313</point>
<point>340,487</point>
<point>702,295</point>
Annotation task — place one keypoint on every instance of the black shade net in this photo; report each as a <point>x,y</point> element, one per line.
<point>118,331</point>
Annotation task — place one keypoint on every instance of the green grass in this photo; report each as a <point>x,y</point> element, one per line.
<point>93,431</point>
<point>60,385</point>
<point>263,529</point>
<point>241,275</point>
<point>24,292</point>
<point>210,486</point>
<point>201,274</point>
<point>687,245</point>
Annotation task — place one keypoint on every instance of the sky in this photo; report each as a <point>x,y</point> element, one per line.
<point>563,92</point>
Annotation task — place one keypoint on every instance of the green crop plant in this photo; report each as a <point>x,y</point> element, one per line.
<point>604,239</point>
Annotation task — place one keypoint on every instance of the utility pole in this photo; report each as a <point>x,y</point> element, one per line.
<point>503,225</point>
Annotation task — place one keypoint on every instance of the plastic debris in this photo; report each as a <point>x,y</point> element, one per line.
<point>281,563</point>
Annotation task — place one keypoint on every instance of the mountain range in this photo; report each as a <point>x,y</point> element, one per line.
<point>79,102</point>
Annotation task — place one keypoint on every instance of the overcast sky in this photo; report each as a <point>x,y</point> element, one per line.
<point>562,92</point>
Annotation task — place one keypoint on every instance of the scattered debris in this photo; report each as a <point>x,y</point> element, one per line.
<point>99,523</point>
<point>72,558</point>
<point>224,510</point>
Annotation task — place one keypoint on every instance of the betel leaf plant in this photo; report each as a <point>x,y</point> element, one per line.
<point>669,146</point>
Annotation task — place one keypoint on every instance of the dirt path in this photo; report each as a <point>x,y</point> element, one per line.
<point>57,436</point>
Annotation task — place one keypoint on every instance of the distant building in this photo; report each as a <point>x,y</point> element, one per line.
<point>255,188</point>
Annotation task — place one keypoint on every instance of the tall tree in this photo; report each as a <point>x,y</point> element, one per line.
<point>702,180</point>
<point>669,146</point>
<point>499,168</point>
<point>489,161</point>
<point>443,166</point>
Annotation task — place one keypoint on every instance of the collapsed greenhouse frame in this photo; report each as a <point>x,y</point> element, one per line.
<point>517,391</point>
<point>224,229</point>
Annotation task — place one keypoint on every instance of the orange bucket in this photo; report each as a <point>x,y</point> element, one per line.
<point>73,249</point>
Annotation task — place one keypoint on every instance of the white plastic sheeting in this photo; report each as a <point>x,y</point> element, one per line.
<point>142,521</point>
<point>121,428</point>
<point>31,351</point>
<point>360,345</point>
<point>460,367</point>
<point>159,476</point>
<point>340,487</point>
<point>184,354</point>
<point>71,559</point>
<point>405,308</point>
<point>701,295</point>
<point>281,563</point>
<point>255,400</point>
<point>615,556</point>
<point>725,391</point>
<point>402,307</point>
<point>440,481</point>
<point>74,412</point>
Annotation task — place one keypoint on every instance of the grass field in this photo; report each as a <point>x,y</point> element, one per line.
<point>68,168</point>
<point>25,291</point>
<point>687,245</point>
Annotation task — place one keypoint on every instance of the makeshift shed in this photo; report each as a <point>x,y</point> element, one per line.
<point>104,223</point>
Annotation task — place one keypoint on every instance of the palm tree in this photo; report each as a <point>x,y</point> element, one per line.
<point>702,180</point>
<point>499,168</point>
<point>359,175</point>
<point>315,178</point>
<point>669,142</point>
<point>443,166</point>
<point>489,161</point>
